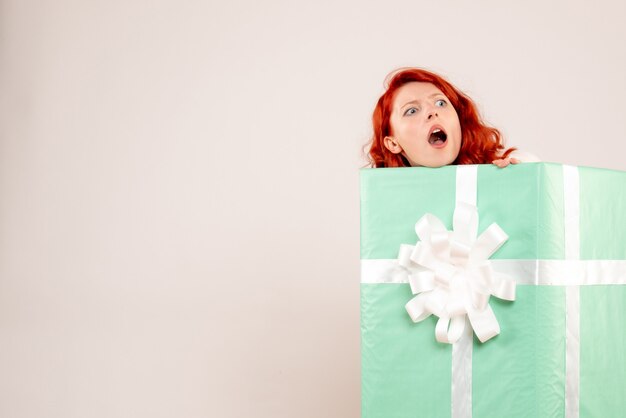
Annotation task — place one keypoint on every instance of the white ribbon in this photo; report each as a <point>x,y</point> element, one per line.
<point>527,272</point>
<point>571,219</point>
<point>451,276</point>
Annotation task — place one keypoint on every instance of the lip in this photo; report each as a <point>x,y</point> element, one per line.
<point>436,126</point>
<point>430,132</point>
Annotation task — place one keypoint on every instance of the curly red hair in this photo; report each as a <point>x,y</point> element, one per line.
<point>480,144</point>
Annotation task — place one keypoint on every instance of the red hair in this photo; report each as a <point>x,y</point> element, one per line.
<point>480,144</point>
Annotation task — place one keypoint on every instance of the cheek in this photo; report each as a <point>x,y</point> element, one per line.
<point>457,128</point>
<point>459,132</point>
<point>415,129</point>
<point>408,133</point>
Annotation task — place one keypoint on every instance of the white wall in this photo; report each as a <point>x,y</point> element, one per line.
<point>179,184</point>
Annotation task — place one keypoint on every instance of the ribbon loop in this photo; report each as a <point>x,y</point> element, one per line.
<point>484,323</point>
<point>488,242</point>
<point>427,225</point>
<point>504,287</point>
<point>404,255</point>
<point>416,309</point>
<point>449,330</point>
<point>422,282</point>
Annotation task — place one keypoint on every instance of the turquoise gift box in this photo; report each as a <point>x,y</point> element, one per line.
<point>535,367</point>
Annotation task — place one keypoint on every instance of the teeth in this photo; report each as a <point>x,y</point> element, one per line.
<point>436,130</point>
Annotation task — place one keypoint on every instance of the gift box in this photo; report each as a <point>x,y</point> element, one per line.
<point>560,350</point>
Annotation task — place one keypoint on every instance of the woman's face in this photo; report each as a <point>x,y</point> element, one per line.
<point>425,127</point>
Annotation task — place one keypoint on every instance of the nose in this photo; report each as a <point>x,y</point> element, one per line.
<point>432,113</point>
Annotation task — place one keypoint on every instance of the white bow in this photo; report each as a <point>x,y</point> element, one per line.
<point>451,275</point>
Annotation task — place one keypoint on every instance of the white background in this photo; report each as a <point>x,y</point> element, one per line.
<point>179,209</point>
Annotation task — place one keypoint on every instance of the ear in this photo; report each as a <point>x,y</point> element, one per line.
<point>392,145</point>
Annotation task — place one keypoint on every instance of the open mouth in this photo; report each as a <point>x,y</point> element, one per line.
<point>437,137</point>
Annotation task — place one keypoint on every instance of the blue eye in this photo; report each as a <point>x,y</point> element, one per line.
<point>441,103</point>
<point>410,111</point>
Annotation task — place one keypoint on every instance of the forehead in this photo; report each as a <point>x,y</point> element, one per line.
<point>415,90</point>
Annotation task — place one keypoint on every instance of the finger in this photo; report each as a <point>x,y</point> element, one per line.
<point>515,161</point>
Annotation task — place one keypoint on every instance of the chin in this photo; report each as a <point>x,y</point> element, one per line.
<point>440,162</point>
<point>434,161</point>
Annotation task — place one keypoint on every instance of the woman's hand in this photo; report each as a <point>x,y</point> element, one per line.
<point>505,161</point>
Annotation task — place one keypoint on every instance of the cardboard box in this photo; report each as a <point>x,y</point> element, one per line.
<point>521,372</point>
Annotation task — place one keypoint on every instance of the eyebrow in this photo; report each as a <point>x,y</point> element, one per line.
<point>417,101</point>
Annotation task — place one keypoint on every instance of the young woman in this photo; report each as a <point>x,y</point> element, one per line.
<point>422,120</point>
